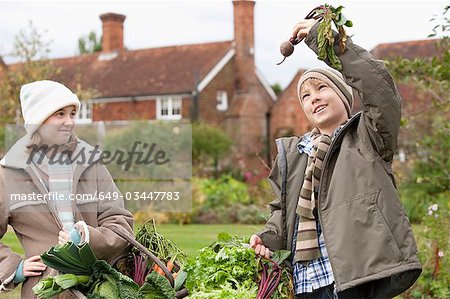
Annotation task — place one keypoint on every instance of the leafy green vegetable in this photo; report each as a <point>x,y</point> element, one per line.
<point>70,258</point>
<point>325,38</point>
<point>223,267</point>
<point>51,286</point>
<point>69,280</point>
<point>211,270</point>
<point>46,288</point>
<point>98,279</point>
<point>227,269</point>
<point>156,287</point>
<point>227,291</point>
<point>106,282</point>
<point>280,256</point>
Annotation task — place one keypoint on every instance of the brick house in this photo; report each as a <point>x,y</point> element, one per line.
<point>287,117</point>
<point>216,83</point>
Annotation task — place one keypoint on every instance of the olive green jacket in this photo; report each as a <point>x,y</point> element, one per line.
<point>367,233</point>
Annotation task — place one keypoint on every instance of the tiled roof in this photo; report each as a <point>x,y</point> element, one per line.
<point>153,71</point>
<point>409,49</point>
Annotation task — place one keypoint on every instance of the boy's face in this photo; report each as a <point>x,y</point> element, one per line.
<point>322,106</point>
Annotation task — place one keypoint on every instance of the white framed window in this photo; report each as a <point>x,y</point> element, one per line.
<point>85,114</point>
<point>222,100</point>
<point>168,108</point>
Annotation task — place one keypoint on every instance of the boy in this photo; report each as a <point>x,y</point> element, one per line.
<point>337,209</point>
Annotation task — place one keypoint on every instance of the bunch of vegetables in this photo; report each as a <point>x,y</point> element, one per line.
<point>166,250</point>
<point>227,269</point>
<point>136,275</point>
<point>325,39</point>
<point>95,278</point>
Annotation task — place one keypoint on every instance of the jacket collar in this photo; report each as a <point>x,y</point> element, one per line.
<point>17,157</point>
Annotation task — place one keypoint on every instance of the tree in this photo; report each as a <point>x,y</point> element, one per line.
<point>89,44</point>
<point>31,49</point>
<point>431,75</point>
<point>276,87</point>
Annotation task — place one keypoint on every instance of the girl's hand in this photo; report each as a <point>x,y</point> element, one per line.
<point>33,266</point>
<point>63,237</point>
<point>301,29</point>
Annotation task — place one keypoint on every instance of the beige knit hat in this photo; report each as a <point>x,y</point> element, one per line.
<point>40,99</point>
<point>335,80</point>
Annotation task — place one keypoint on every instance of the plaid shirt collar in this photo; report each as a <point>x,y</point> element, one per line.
<point>305,144</point>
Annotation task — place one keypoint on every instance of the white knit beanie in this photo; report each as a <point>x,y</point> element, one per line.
<point>40,99</point>
<point>335,80</point>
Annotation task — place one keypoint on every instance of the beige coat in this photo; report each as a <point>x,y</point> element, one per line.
<point>37,225</point>
<point>367,232</point>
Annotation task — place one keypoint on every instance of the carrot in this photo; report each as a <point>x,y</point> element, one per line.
<point>170,265</point>
<point>159,270</point>
<point>175,275</point>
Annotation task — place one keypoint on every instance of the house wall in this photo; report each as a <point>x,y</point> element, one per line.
<point>208,97</point>
<point>249,130</point>
<point>133,110</point>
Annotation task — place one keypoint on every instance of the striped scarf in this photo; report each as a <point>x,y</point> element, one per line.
<point>307,245</point>
<point>60,176</point>
<point>60,180</point>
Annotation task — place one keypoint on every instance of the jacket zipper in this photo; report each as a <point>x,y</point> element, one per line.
<point>325,160</point>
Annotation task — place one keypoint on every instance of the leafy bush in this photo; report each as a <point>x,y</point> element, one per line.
<point>224,191</point>
<point>225,200</point>
<point>429,176</point>
<point>434,253</point>
<point>209,144</point>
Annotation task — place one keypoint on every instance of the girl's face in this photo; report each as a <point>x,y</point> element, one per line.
<point>322,106</point>
<point>58,128</point>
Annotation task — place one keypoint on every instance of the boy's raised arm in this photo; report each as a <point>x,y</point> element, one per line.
<point>380,100</point>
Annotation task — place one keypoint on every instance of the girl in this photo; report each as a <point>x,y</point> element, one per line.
<point>38,187</point>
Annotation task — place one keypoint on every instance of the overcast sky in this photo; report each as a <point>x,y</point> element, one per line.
<point>162,23</point>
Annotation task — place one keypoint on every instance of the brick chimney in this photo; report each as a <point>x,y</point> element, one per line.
<point>112,38</point>
<point>244,39</point>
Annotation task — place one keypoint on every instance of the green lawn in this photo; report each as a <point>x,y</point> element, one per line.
<point>189,238</point>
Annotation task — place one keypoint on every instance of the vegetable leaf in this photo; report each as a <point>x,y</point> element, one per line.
<point>106,280</point>
<point>181,278</point>
<point>70,258</point>
<point>156,287</point>
<point>279,256</point>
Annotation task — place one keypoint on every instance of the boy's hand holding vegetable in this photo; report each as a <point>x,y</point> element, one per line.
<point>257,244</point>
<point>302,28</point>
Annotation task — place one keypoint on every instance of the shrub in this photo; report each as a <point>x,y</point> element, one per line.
<point>434,253</point>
